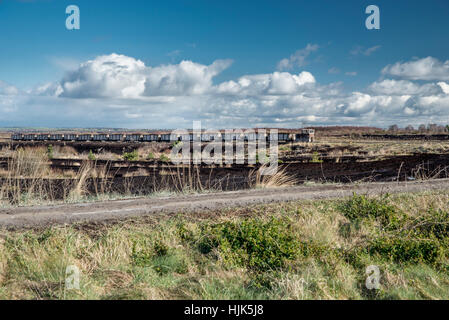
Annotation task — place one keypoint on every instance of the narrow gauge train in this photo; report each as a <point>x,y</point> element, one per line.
<point>304,135</point>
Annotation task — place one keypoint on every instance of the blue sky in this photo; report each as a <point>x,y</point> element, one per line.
<point>325,38</point>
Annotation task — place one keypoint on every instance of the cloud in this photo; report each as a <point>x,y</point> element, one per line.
<point>298,59</point>
<point>105,77</point>
<point>119,76</point>
<point>185,78</point>
<point>444,86</point>
<point>64,63</point>
<point>277,83</point>
<point>422,69</point>
<point>120,91</point>
<point>351,73</point>
<point>7,89</point>
<point>360,50</point>
<point>333,70</point>
<point>405,87</point>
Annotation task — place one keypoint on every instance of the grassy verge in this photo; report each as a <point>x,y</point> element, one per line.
<point>294,250</point>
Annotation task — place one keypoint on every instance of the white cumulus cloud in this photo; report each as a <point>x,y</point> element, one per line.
<point>119,76</point>
<point>298,59</point>
<point>120,91</point>
<point>428,68</point>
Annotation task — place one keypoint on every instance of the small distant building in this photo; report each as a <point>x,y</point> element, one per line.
<point>306,135</point>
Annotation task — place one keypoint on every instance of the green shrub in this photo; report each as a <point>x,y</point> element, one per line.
<point>360,207</point>
<point>176,144</point>
<point>91,156</point>
<point>151,156</point>
<point>173,262</point>
<point>184,233</point>
<point>316,158</point>
<point>265,159</point>
<point>164,158</point>
<point>257,245</point>
<point>406,250</point>
<point>160,248</point>
<point>434,224</point>
<point>158,256</point>
<point>50,151</point>
<point>141,254</point>
<point>131,156</point>
<point>143,251</point>
<point>285,148</point>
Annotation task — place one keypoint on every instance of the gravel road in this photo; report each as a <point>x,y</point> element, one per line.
<point>40,216</point>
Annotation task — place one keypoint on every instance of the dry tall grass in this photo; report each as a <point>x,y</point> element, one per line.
<point>281,178</point>
<point>79,189</point>
<point>26,169</point>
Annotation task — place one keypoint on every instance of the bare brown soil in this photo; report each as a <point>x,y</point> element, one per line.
<point>424,137</point>
<point>41,216</point>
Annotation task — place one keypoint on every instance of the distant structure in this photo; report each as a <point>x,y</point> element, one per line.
<point>283,135</point>
<point>306,135</point>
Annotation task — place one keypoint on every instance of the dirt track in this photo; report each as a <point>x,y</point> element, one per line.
<point>30,217</point>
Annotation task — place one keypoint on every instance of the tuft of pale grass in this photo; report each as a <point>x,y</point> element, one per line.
<point>79,189</point>
<point>281,178</point>
<point>23,180</point>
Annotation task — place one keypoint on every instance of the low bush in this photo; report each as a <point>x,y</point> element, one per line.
<point>360,207</point>
<point>257,245</point>
<point>151,156</point>
<point>131,156</point>
<point>406,250</point>
<point>164,158</point>
<point>50,152</point>
<point>91,156</point>
<point>316,158</point>
<point>433,224</point>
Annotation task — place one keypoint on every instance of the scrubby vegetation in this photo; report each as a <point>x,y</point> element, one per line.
<point>295,250</point>
<point>91,156</point>
<point>131,156</point>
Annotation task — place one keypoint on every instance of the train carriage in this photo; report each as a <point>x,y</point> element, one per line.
<point>56,137</point>
<point>70,137</point>
<point>100,137</point>
<point>133,137</point>
<point>29,137</point>
<point>165,137</point>
<point>150,137</point>
<point>84,137</point>
<point>283,136</point>
<point>17,136</point>
<point>186,137</point>
<point>43,137</point>
<point>115,137</point>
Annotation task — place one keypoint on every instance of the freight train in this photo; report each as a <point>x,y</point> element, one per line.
<point>291,135</point>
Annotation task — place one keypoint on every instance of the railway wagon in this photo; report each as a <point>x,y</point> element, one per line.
<point>133,137</point>
<point>165,137</point>
<point>186,137</point>
<point>17,136</point>
<point>150,137</point>
<point>70,137</point>
<point>115,137</point>
<point>43,137</point>
<point>206,137</point>
<point>84,137</point>
<point>56,137</point>
<point>100,137</point>
<point>29,137</point>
